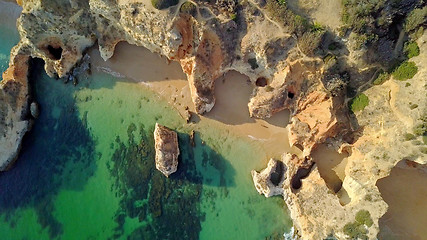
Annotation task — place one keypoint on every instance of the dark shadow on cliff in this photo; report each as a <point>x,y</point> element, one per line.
<point>57,154</point>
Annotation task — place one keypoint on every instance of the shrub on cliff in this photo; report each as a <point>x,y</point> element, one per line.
<point>364,217</point>
<point>162,4</point>
<point>405,71</point>
<point>416,18</point>
<point>382,77</point>
<point>188,8</point>
<point>357,230</point>
<point>278,11</point>
<point>359,102</point>
<point>411,49</point>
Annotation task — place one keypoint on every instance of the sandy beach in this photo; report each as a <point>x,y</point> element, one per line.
<point>232,93</point>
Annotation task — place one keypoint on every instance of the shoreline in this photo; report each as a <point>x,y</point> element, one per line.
<point>171,84</point>
<point>314,88</point>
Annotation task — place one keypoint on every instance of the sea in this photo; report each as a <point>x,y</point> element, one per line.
<point>86,169</point>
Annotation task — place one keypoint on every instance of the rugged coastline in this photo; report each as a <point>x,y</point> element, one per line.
<point>282,80</point>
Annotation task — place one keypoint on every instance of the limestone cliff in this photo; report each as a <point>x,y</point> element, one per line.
<point>15,118</point>
<point>281,54</point>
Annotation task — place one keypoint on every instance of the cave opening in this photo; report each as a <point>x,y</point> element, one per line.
<point>261,82</point>
<point>301,173</point>
<point>277,176</point>
<point>55,52</point>
<point>291,94</point>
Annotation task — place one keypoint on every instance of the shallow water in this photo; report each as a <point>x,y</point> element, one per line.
<point>8,33</point>
<point>86,170</point>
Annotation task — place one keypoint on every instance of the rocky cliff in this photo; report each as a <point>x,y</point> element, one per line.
<point>293,63</point>
<point>15,118</point>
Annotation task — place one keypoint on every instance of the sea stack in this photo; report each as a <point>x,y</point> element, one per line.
<point>167,150</point>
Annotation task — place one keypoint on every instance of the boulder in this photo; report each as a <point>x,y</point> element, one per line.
<point>167,150</point>
<point>34,110</point>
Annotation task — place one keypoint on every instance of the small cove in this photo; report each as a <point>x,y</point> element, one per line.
<point>83,174</point>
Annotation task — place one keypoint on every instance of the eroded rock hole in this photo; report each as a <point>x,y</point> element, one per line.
<point>291,95</point>
<point>277,175</point>
<point>302,173</point>
<point>55,52</point>
<point>331,166</point>
<point>261,82</point>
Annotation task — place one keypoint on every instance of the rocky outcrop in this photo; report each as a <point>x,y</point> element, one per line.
<point>269,181</point>
<point>14,108</point>
<point>167,150</point>
<point>245,37</point>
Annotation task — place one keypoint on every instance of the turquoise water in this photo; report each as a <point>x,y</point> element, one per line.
<point>8,39</point>
<point>8,33</point>
<point>86,171</point>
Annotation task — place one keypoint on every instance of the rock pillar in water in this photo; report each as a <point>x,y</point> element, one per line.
<point>167,150</point>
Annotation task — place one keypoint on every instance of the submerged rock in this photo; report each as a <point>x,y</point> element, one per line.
<point>34,110</point>
<point>167,151</point>
<point>269,181</point>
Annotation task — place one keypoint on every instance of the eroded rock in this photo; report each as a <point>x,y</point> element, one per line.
<point>34,110</point>
<point>167,149</point>
<point>14,108</point>
<point>269,181</point>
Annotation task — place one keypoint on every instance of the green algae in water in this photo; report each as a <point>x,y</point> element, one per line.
<point>52,153</point>
<point>87,172</point>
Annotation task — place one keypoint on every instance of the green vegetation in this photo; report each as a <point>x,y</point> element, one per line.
<point>357,229</point>
<point>425,139</point>
<point>359,102</point>
<point>253,63</point>
<point>163,4</point>
<point>416,18</point>
<point>317,27</point>
<point>409,136</point>
<point>359,40</point>
<point>233,16</point>
<point>412,106</point>
<point>358,14</point>
<point>188,8</point>
<point>309,35</point>
<point>405,71</point>
<point>278,11</point>
<point>364,217</point>
<point>269,88</point>
<point>411,49</point>
<point>310,41</point>
<point>421,129</point>
<point>382,77</point>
